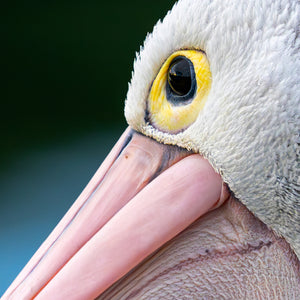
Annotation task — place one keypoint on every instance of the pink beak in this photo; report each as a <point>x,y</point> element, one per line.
<point>143,195</point>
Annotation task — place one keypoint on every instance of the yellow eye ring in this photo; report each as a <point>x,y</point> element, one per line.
<point>171,115</point>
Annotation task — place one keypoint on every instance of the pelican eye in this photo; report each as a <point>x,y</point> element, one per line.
<point>181,84</point>
<point>179,91</point>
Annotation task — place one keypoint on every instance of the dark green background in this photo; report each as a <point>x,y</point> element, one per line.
<point>66,66</point>
<point>65,69</point>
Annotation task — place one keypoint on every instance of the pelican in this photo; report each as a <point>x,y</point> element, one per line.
<point>199,198</point>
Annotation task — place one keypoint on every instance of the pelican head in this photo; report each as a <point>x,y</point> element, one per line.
<point>213,137</point>
<point>248,128</point>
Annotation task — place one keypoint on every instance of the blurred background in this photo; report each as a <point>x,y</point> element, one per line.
<point>65,71</point>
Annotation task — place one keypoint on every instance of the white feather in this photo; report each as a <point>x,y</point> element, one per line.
<point>249,127</point>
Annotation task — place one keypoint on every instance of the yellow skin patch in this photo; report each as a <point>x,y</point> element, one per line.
<point>174,118</point>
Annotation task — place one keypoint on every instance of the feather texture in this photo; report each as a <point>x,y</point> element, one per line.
<point>249,127</point>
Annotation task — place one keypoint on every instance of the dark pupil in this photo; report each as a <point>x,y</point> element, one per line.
<point>179,76</point>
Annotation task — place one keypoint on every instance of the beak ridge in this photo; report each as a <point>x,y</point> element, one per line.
<point>144,195</point>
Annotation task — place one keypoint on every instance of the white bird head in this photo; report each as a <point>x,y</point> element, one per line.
<point>220,79</point>
<point>249,126</point>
